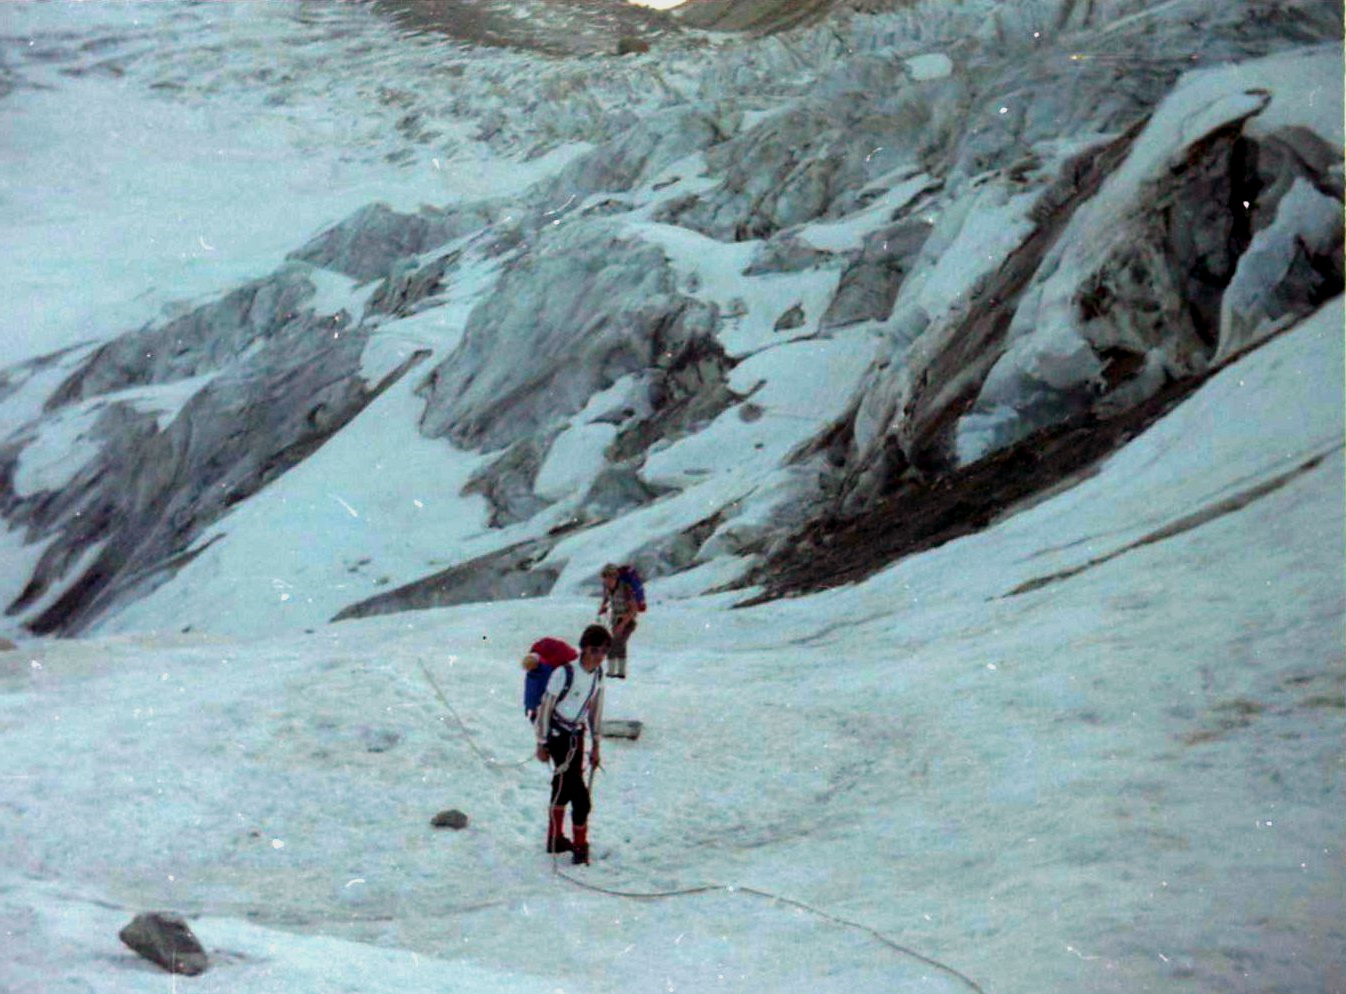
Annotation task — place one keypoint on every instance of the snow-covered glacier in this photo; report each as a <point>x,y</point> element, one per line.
<point>988,350</point>
<point>985,221</point>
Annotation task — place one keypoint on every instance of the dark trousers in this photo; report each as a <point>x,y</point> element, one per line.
<point>620,635</point>
<point>567,783</point>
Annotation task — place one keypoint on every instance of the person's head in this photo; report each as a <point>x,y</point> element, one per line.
<point>594,646</point>
<point>610,574</point>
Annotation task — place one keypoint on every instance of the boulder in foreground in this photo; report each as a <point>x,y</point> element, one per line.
<point>166,939</point>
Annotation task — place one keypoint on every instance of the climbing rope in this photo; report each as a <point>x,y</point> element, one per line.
<point>778,899</point>
<point>490,761</point>
<point>659,895</point>
<point>496,764</point>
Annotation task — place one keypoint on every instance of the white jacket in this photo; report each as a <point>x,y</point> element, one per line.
<point>581,708</point>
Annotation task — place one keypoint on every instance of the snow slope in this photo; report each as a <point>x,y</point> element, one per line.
<point>1125,778</point>
<point>1095,748</point>
<point>173,152</point>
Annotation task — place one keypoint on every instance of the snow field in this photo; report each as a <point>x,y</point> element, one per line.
<point>1125,777</point>
<point>1120,780</point>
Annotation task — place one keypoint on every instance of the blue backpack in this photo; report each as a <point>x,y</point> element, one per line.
<point>629,576</point>
<point>535,685</point>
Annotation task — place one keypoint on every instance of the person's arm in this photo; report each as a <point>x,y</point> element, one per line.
<point>542,724</point>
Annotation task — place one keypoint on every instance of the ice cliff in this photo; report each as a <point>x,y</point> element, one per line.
<point>773,283</point>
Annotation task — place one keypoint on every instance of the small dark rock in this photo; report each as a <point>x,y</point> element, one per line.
<point>631,45</point>
<point>793,318</point>
<point>453,818</point>
<point>165,938</point>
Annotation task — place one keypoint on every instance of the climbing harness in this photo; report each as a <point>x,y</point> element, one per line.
<point>559,719</point>
<point>561,770</point>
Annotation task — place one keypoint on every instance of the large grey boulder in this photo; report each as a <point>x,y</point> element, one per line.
<point>166,939</point>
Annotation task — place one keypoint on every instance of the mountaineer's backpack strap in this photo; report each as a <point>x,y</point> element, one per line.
<point>570,682</point>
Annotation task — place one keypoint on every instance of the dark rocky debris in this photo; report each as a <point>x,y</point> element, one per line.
<point>166,939</point>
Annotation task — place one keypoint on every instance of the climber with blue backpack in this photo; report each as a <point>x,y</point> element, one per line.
<point>543,657</point>
<point>569,703</point>
<point>623,599</point>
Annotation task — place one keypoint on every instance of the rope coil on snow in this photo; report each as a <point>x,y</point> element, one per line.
<point>734,889</point>
<point>873,933</point>
<point>791,902</point>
